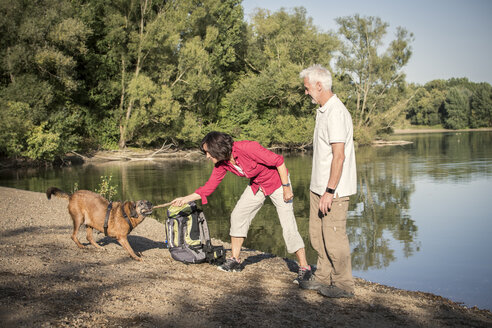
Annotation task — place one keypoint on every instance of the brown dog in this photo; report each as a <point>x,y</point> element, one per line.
<point>87,207</point>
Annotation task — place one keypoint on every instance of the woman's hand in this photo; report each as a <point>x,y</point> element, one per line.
<point>284,179</point>
<point>288,194</point>
<point>180,201</point>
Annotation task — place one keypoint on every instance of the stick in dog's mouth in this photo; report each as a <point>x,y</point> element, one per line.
<point>162,205</point>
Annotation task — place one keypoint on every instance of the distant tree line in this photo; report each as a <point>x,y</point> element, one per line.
<point>454,104</point>
<point>95,74</point>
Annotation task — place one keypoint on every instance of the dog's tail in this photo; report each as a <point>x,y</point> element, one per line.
<point>57,192</point>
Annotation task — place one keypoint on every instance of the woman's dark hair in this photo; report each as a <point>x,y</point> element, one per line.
<point>219,145</point>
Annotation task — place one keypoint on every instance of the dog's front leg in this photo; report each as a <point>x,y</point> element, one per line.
<point>126,245</point>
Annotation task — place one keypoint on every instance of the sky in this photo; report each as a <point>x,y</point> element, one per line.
<point>452,38</point>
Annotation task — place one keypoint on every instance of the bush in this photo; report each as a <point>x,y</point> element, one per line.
<point>42,144</point>
<point>364,135</point>
<point>107,190</point>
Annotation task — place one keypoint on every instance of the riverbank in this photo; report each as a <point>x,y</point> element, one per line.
<point>47,281</point>
<point>430,130</point>
<point>127,155</point>
<point>105,156</point>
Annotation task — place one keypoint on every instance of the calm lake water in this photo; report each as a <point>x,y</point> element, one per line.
<point>421,219</point>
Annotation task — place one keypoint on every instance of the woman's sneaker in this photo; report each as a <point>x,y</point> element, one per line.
<point>304,274</point>
<point>231,265</point>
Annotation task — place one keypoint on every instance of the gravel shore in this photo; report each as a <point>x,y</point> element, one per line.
<point>46,281</point>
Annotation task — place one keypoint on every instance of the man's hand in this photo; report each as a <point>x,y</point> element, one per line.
<point>325,203</point>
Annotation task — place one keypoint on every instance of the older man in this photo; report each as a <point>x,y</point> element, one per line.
<point>333,180</point>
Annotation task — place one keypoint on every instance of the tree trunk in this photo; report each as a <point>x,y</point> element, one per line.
<point>122,142</point>
<point>125,120</point>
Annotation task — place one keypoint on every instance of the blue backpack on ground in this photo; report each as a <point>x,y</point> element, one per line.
<point>188,237</point>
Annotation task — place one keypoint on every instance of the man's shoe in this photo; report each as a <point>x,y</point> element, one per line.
<point>304,274</point>
<point>231,265</point>
<point>334,292</point>
<point>311,284</point>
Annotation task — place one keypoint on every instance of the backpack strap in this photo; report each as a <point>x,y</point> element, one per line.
<point>204,232</point>
<point>181,230</point>
<point>168,233</point>
<point>171,238</point>
<point>106,219</point>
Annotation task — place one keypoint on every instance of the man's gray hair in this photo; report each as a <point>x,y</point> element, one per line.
<point>317,73</point>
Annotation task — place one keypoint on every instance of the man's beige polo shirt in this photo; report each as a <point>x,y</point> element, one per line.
<point>333,124</point>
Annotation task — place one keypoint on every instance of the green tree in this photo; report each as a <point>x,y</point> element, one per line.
<point>15,127</point>
<point>455,103</point>
<point>481,106</point>
<point>457,108</point>
<point>267,104</point>
<point>139,30</point>
<point>424,108</point>
<point>377,95</point>
<point>169,62</point>
<point>41,45</point>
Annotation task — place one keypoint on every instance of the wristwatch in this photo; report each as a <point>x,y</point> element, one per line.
<point>330,191</point>
<point>286,185</point>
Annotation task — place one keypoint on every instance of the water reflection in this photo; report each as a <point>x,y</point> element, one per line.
<point>451,156</point>
<point>379,212</point>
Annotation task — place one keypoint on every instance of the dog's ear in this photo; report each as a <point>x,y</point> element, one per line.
<point>133,210</point>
